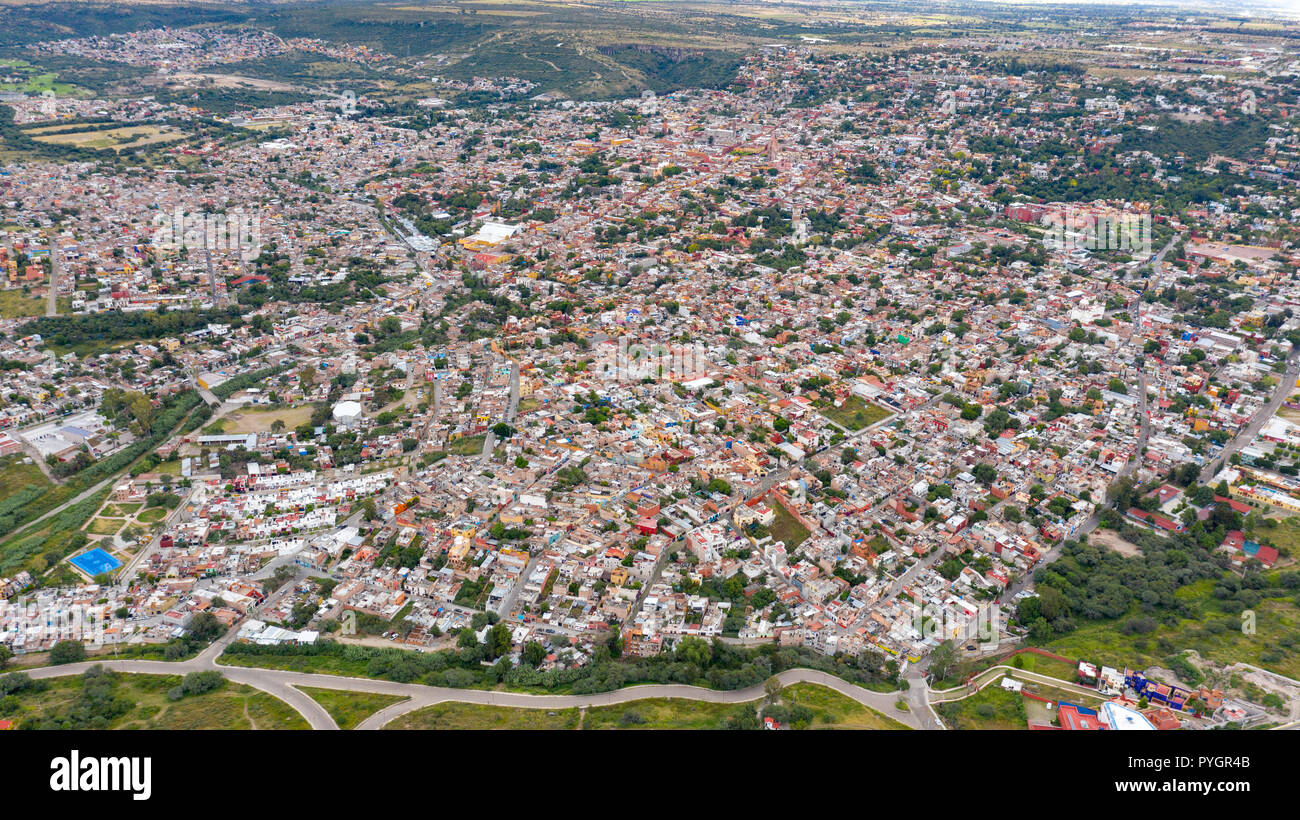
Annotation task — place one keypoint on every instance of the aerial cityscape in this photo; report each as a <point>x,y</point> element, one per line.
<point>649,365</point>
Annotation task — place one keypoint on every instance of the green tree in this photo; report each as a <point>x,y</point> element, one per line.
<point>943,660</point>
<point>67,652</point>
<point>534,653</point>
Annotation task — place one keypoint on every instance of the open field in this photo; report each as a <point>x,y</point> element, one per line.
<point>229,81</point>
<point>854,413</point>
<point>105,526</point>
<point>1216,634</point>
<point>476,716</point>
<point>991,708</point>
<point>152,515</point>
<point>835,711</point>
<point>15,475</point>
<point>1285,535</point>
<point>787,529</point>
<point>350,708</point>
<point>1111,540</point>
<point>259,420</point>
<point>37,83</point>
<point>14,304</point>
<point>147,706</point>
<point>134,136</point>
<point>663,713</point>
<point>466,446</point>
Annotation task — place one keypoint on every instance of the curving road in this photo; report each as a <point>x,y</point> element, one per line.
<point>283,684</point>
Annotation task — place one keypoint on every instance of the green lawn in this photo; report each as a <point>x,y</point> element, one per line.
<point>350,708</point>
<point>478,716</point>
<point>786,529</point>
<point>152,515</point>
<point>854,413</point>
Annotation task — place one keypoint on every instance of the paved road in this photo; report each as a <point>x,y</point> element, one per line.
<point>282,683</point>
<point>918,701</point>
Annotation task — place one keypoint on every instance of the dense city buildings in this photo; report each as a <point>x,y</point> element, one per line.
<point>911,365</point>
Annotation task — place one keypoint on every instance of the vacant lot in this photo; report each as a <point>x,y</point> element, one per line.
<point>152,515</point>
<point>231,706</point>
<point>477,716</point>
<point>992,708</point>
<point>350,708</point>
<point>832,710</point>
<point>787,529</point>
<point>854,413</point>
<point>260,420</point>
<point>1215,632</point>
<point>14,304</point>
<point>467,446</point>
<point>15,475</point>
<point>663,713</point>
<point>133,136</point>
<point>105,526</point>
<point>1111,540</point>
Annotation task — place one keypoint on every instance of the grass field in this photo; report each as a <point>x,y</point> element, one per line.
<point>478,716</point>
<point>992,708</point>
<point>105,526</point>
<point>15,475</point>
<point>119,510</point>
<point>785,528</point>
<point>39,82</point>
<point>1051,667</point>
<point>835,711</point>
<point>1285,535</point>
<point>466,446</point>
<point>350,708</point>
<point>661,713</point>
<point>152,515</point>
<point>232,706</point>
<point>260,420</point>
<point>854,413</point>
<point>133,136</point>
<point>14,304</point>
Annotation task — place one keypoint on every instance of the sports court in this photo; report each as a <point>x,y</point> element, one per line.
<point>96,561</point>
